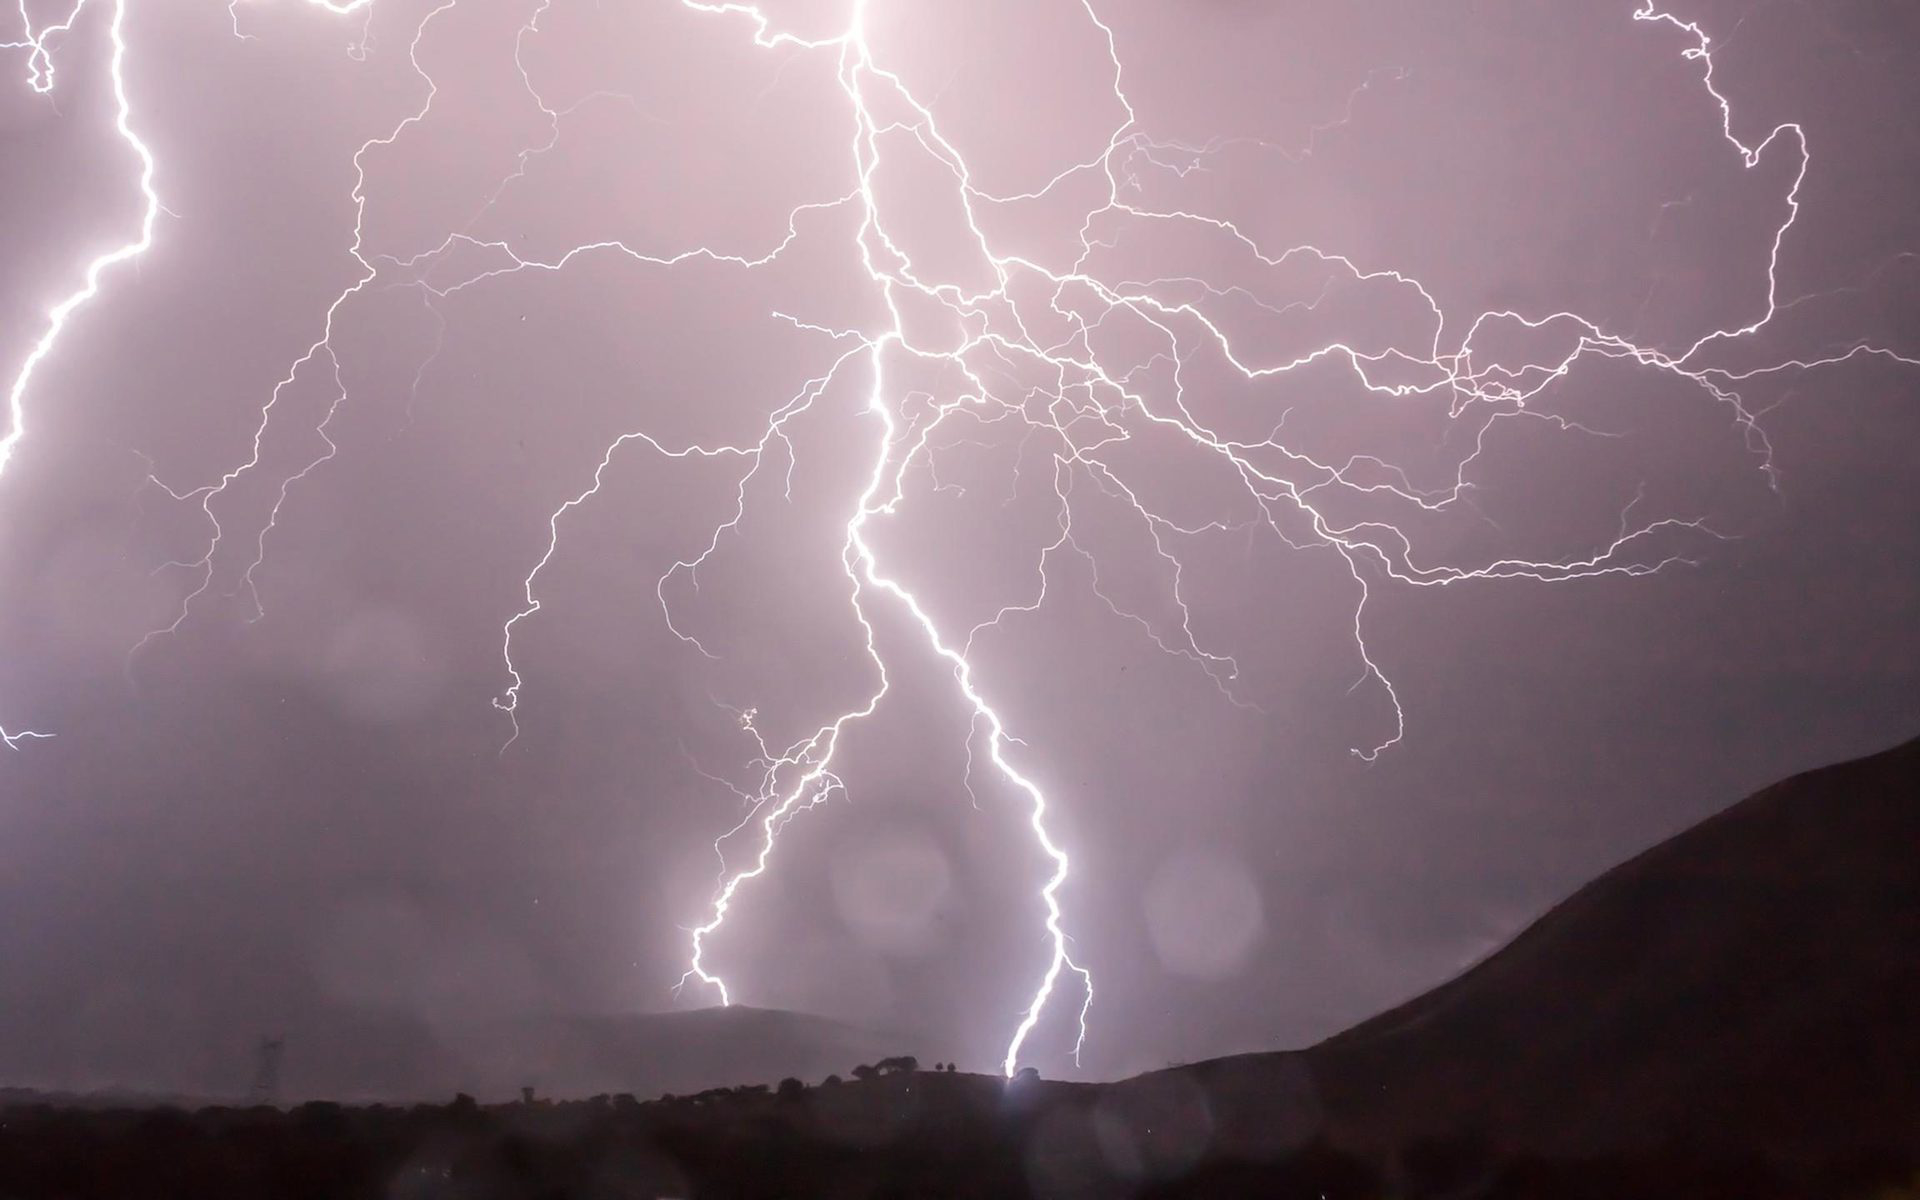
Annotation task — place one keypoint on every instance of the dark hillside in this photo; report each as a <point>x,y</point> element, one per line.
<point>1754,981</point>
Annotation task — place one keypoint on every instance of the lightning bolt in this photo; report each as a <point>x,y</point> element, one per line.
<point>1091,400</point>
<point>799,778</point>
<point>40,77</point>
<point>321,351</point>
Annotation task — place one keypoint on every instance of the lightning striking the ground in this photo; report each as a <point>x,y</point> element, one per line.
<point>1074,354</point>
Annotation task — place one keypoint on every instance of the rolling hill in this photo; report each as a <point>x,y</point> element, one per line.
<point>1753,983</point>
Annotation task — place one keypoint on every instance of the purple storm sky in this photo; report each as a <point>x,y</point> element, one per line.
<point>293,775</point>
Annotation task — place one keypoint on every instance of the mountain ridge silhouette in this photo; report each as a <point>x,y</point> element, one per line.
<point>1753,980</point>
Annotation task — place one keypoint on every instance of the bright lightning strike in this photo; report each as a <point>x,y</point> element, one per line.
<point>1093,400</point>
<point>40,77</point>
<point>1108,394</point>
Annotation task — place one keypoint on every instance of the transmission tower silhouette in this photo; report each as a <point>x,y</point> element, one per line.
<point>266,1071</point>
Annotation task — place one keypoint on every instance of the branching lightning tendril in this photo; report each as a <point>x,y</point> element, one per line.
<point>40,77</point>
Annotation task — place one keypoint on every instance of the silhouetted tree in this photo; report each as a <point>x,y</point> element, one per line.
<point>791,1089</point>
<point>864,1072</point>
<point>321,1114</point>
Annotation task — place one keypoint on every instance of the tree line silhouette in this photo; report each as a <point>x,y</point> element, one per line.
<point>890,1131</point>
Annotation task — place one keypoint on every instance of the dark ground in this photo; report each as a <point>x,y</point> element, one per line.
<point>921,1135</point>
<point>1730,1015</point>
